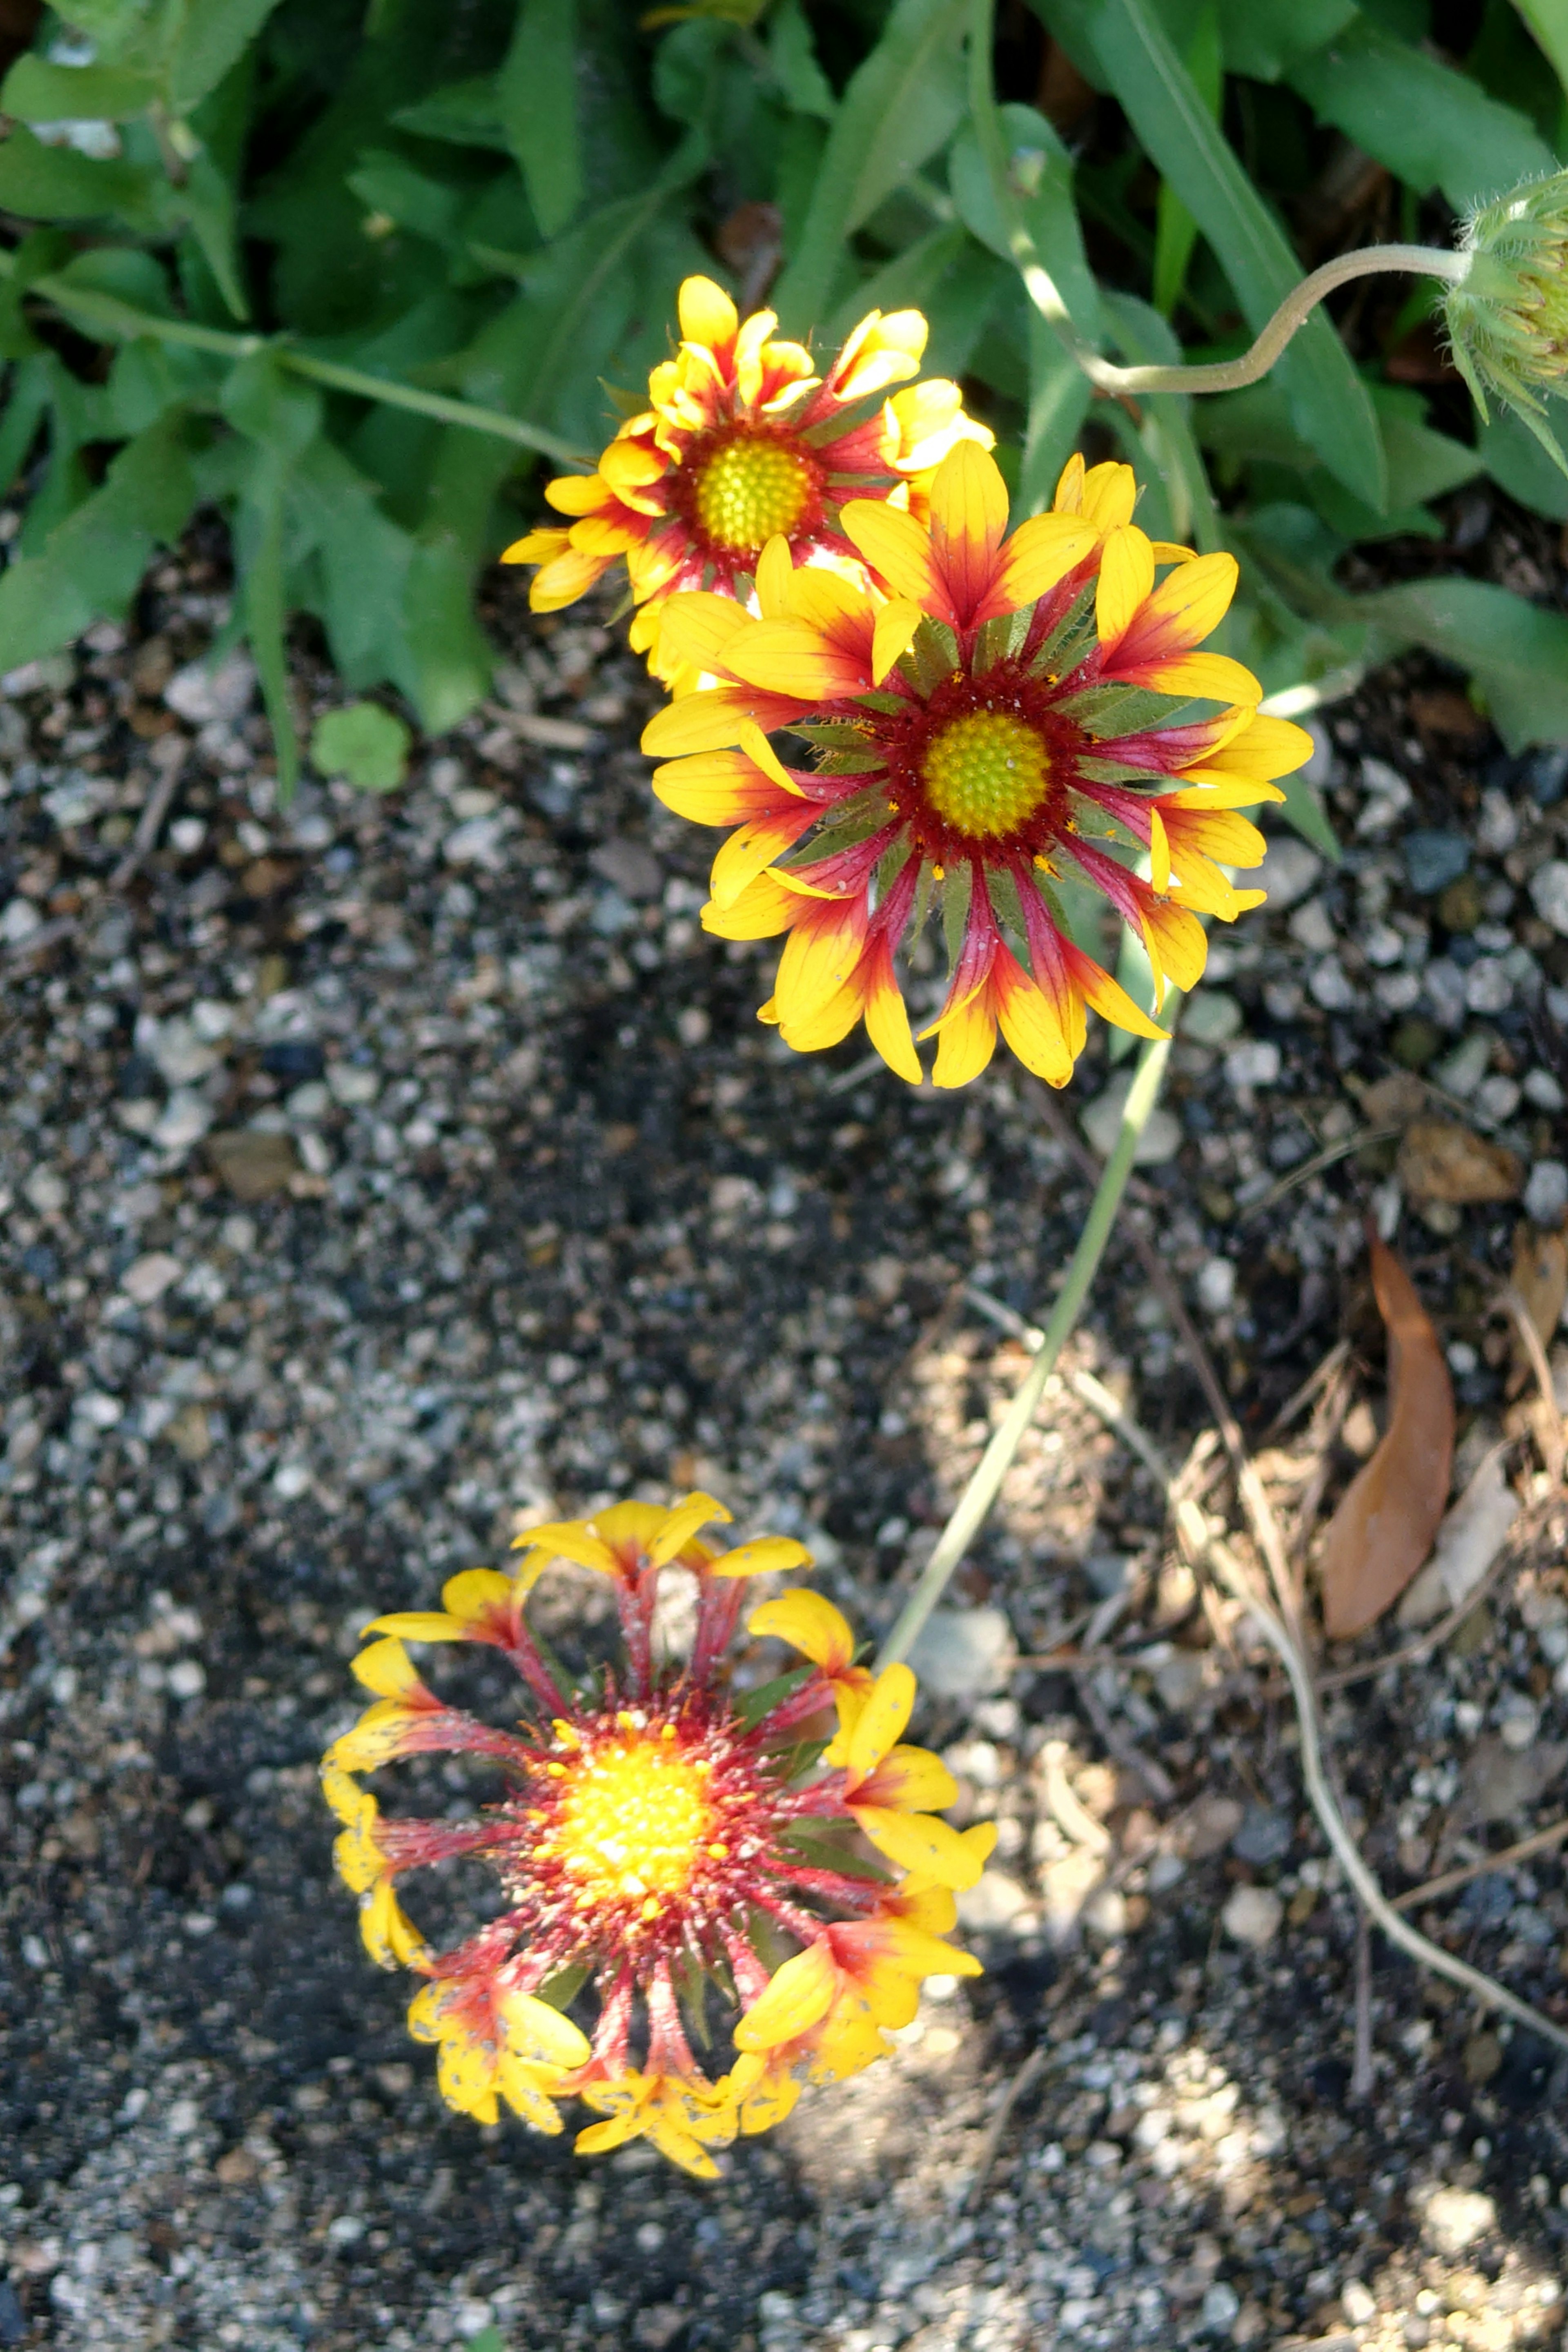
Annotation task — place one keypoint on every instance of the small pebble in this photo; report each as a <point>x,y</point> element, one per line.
<point>1253,1916</point>
<point>1546,1192</point>
<point>1549,893</point>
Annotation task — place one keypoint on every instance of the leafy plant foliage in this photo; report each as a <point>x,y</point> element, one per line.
<point>304,259</point>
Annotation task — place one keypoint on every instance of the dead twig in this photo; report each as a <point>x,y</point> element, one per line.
<point>1023,2082</point>
<point>154,809</point>
<point>1540,1842</point>
<point>1315,1167</point>
<point>1338,1354</point>
<point>1361,2081</point>
<point>1554,1440</point>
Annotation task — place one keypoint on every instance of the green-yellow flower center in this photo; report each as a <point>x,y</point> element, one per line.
<point>750,491</point>
<point>634,1821</point>
<point>985,772</point>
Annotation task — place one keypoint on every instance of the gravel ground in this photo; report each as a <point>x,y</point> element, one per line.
<point>379,1172</point>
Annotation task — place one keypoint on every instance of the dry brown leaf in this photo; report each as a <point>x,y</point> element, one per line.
<point>1391,1511</point>
<point>1441,1161</point>
<point>1541,1277</point>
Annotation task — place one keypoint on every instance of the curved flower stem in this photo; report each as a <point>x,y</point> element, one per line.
<point>993,1464</point>
<point>1223,376</point>
<point>107,314</point>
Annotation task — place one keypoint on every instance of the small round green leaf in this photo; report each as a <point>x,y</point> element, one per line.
<point>363,742</point>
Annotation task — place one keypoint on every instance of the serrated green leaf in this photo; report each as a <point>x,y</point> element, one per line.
<point>1328,399</point>
<point>91,563</point>
<point>37,90</point>
<point>537,91</point>
<point>902,104</point>
<point>1430,125</point>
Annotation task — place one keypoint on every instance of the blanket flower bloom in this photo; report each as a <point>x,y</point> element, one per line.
<point>989,718</point>
<point>693,1856</point>
<point>743,442</point>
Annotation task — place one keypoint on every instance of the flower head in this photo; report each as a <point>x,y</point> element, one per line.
<point>687,1855</point>
<point>1508,317</point>
<point>743,442</point>
<point>1000,712</point>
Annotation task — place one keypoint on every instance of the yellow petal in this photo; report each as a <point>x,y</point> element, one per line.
<point>563,580</point>
<point>697,1511</point>
<point>523,2089</point>
<point>1110,493</point>
<point>771,2100</point>
<point>1212,676</point>
<point>706,313</point>
<point>465,2073</point>
<point>881,1720</point>
<point>578,494</point>
<point>797,1995</point>
<point>914,1780</point>
<point>539,2035</point>
<point>387,1669</point>
<point>893,635</point>
<point>696,627</point>
<point>921,1842</point>
<point>537,546</point>
<point>896,549</point>
<point>1264,748</point>
<point>764,1556</point>
<point>968,509</point>
<point>808,1623</point>
<point>475,1593</point>
<point>599,2138</point>
<point>791,657</point>
<point>775,570</point>
<point>1126,578</point>
<point>1159,853</point>
<point>570,1540</point>
<point>1195,598</point>
<point>1041,552</point>
<point>353,1804</point>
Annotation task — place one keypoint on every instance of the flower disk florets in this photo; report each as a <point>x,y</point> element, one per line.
<point>742,441</point>
<point>702,1865</point>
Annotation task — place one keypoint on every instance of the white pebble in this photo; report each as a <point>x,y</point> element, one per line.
<point>1542,1089</point>
<point>1548,890</point>
<point>1546,1194</point>
<point>45,1192</point>
<point>1332,986</point>
<point>1254,1063</point>
<point>186,1678</point>
<point>1253,1916</point>
<point>147,1279</point>
<point>1217,1285</point>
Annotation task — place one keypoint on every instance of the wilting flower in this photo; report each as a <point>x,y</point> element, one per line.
<point>993,718</point>
<point>1508,317</point>
<point>743,442</point>
<point>695,1857</point>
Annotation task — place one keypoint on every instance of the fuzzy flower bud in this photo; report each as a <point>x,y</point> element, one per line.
<point>1508,316</point>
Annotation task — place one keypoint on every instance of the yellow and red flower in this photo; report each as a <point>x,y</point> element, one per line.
<point>743,442</point>
<point>998,711</point>
<point>662,1842</point>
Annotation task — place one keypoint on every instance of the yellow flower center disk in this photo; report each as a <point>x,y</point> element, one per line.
<point>985,772</point>
<point>752,490</point>
<point>634,1821</point>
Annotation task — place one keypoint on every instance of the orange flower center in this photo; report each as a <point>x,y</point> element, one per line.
<point>985,772</point>
<point>750,491</point>
<point>635,1824</point>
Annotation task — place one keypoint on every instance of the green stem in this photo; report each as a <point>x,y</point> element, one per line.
<point>986,1479</point>
<point>109,315</point>
<point>1223,376</point>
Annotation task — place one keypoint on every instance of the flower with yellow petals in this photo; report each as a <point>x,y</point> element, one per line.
<point>1002,710</point>
<point>661,1844</point>
<point>743,442</point>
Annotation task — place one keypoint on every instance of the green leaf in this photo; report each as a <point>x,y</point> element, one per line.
<point>1263,39</point>
<point>902,103</point>
<point>365,744</point>
<point>27,397</point>
<point>92,563</point>
<point>35,90</point>
<point>1430,125</point>
<point>466,114</point>
<point>280,416</point>
<point>1175,230</point>
<point>488,2339</point>
<point>1328,399</point>
<point>1548,20</point>
<point>211,37</point>
<point>1165,431</point>
<point>792,54</point>
<point>384,184</point>
<point>1514,457</point>
<point>1059,398</point>
<point>537,89</point>
<point>57,184</point>
<point>1040,170</point>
